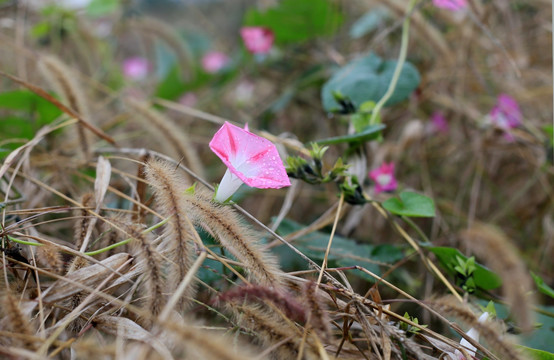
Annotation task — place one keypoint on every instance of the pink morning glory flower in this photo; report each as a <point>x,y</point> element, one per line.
<point>438,122</point>
<point>136,68</point>
<point>384,178</point>
<point>250,159</point>
<point>506,114</point>
<point>214,61</point>
<point>452,5</point>
<point>258,40</point>
<point>472,333</point>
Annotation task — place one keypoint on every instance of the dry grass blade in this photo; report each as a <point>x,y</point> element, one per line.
<point>88,276</point>
<point>128,329</point>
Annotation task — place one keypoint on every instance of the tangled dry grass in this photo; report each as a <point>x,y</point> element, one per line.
<point>103,240</point>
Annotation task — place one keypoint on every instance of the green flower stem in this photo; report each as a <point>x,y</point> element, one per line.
<point>99,251</point>
<point>23,242</point>
<point>126,241</point>
<point>399,64</point>
<point>107,248</point>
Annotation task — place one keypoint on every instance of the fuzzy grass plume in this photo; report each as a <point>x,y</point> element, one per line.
<point>450,306</point>
<point>492,245</point>
<point>153,279</point>
<point>63,80</point>
<point>173,139</point>
<point>15,321</point>
<point>170,198</point>
<point>239,239</point>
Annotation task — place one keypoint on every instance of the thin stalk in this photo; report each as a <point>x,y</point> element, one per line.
<point>126,241</point>
<point>399,64</point>
<point>341,201</point>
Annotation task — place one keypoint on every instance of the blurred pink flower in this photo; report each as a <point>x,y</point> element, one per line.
<point>438,123</point>
<point>214,61</point>
<point>258,40</point>
<point>250,159</point>
<point>136,68</point>
<point>188,99</point>
<point>506,114</point>
<point>452,5</point>
<point>384,178</point>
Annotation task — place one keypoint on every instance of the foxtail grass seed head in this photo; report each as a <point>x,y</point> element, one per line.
<point>239,239</point>
<point>171,202</point>
<point>494,247</point>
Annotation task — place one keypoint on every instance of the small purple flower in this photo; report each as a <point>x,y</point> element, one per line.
<point>136,68</point>
<point>506,113</point>
<point>452,5</point>
<point>438,123</point>
<point>384,178</point>
<point>214,61</point>
<point>258,40</point>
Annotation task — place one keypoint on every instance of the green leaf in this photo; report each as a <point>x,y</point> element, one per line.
<point>295,21</point>
<point>387,253</point>
<point>483,277</point>
<point>30,102</point>
<point>489,308</point>
<point>543,288</point>
<point>411,204</point>
<point>16,127</point>
<point>99,8</point>
<point>368,22</point>
<point>172,86</point>
<point>536,354</point>
<point>344,252</point>
<point>368,78</point>
<point>369,133</point>
<point>40,29</point>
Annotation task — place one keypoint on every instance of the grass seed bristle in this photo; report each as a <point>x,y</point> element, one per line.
<point>63,80</point>
<point>173,140</point>
<point>14,320</point>
<point>451,307</point>
<point>170,201</point>
<point>490,244</point>
<point>153,288</point>
<point>239,239</point>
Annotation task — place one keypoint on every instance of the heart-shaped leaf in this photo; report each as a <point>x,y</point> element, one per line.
<point>368,78</point>
<point>411,204</point>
